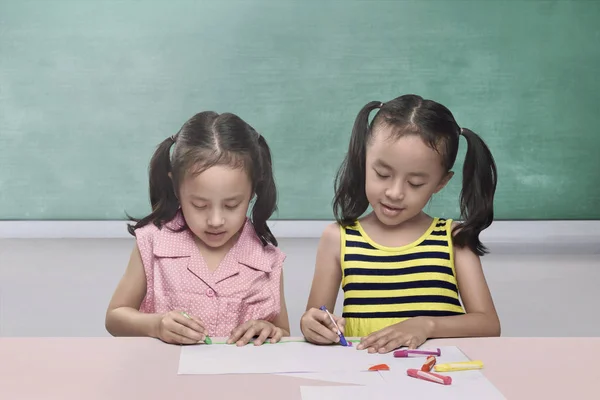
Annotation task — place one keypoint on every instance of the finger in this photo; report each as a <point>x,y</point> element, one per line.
<point>414,342</point>
<point>200,324</point>
<point>323,318</point>
<point>383,341</point>
<point>321,333</point>
<point>264,334</point>
<point>250,333</point>
<point>277,337</point>
<point>341,324</point>
<point>191,323</point>
<point>237,333</point>
<point>174,338</point>
<point>316,326</point>
<point>366,342</point>
<point>393,344</point>
<point>172,324</point>
<point>182,330</point>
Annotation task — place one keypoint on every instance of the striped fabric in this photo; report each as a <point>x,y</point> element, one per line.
<point>386,285</point>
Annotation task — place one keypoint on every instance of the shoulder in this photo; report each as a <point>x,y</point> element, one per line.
<point>150,230</point>
<point>332,234</point>
<point>446,226</point>
<point>441,223</point>
<point>146,232</point>
<point>169,240</point>
<point>145,237</point>
<point>331,241</point>
<point>252,252</point>
<point>453,227</point>
<point>273,254</point>
<point>463,253</point>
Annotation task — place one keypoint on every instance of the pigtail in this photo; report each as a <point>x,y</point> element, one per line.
<point>477,194</point>
<point>162,193</point>
<point>350,200</point>
<point>266,193</point>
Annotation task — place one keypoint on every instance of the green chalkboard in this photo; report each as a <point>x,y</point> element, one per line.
<point>89,88</point>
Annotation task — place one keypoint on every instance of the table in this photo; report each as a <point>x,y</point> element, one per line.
<point>144,368</point>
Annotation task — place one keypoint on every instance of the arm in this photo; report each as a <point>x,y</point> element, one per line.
<point>282,320</point>
<point>328,271</point>
<point>123,317</point>
<point>315,324</point>
<point>481,318</point>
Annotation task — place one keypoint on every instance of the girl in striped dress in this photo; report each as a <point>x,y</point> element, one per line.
<point>406,276</point>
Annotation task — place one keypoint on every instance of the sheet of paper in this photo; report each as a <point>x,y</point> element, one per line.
<point>471,387</point>
<point>465,384</point>
<point>356,378</point>
<point>277,358</point>
<point>293,357</point>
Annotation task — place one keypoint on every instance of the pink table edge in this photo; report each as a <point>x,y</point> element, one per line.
<point>131,368</point>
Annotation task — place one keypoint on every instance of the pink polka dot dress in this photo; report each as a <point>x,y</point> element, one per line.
<point>245,286</point>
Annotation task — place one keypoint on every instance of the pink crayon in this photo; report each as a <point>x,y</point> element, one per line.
<point>429,376</point>
<point>417,353</point>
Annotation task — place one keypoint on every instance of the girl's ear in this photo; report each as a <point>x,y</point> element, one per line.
<point>444,181</point>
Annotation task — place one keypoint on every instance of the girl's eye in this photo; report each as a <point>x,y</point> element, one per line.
<point>233,207</point>
<point>381,175</point>
<point>199,207</point>
<point>415,185</point>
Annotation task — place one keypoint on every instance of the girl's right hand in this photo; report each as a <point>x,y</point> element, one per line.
<point>316,326</point>
<point>175,328</point>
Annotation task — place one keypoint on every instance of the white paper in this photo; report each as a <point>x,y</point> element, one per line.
<point>473,386</point>
<point>295,357</point>
<point>356,378</point>
<point>276,358</point>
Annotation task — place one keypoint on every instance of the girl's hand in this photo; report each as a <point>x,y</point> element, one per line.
<point>412,332</point>
<point>263,329</point>
<point>317,328</point>
<point>175,328</point>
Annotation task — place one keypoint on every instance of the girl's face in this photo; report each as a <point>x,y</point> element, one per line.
<point>215,202</point>
<point>401,175</point>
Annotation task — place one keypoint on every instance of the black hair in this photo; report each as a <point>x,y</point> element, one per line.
<point>435,124</point>
<point>205,140</point>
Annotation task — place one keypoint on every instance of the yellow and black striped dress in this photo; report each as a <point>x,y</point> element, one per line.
<point>386,285</point>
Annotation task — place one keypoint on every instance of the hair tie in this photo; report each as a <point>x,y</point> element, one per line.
<point>381,105</point>
<point>173,138</point>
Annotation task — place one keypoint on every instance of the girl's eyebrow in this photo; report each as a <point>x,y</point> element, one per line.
<point>232,198</point>
<point>419,174</point>
<point>383,164</point>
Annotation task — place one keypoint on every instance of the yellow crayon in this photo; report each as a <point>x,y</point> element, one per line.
<point>458,366</point>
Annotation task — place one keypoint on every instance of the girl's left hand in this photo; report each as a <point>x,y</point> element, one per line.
<point>263,329</point>
<point>412,332</point>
